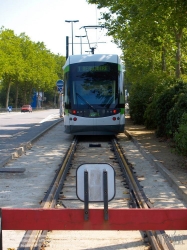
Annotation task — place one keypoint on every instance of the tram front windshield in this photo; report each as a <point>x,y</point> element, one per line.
<point>94,84</point>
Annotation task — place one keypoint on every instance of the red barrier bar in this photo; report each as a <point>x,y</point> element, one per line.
<point>73,219</point>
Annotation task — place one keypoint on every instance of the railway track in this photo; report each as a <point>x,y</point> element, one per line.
<point>62,192</point>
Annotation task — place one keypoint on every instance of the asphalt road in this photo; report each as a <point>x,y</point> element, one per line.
<point>18,129</point>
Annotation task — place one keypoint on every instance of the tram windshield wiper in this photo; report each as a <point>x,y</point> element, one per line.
<point>86,102</point>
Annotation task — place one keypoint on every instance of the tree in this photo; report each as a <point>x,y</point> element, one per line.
<point>26,66</point>
<point>11,59</point>
<point>158,22</point>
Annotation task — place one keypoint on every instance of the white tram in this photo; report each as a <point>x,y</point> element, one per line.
<point>94,95</point>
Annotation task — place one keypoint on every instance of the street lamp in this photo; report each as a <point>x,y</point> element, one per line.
<point>72,21</point>
<point>80,42</point>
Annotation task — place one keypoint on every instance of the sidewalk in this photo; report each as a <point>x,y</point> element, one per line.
<point>160,153</point>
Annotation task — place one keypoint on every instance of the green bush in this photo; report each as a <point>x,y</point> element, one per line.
<point>166,102</point>
<point>150,116</point>
<point>141,95</point>
<point>176,112</point>
<point>180,137</point>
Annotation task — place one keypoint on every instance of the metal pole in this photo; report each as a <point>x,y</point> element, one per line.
<point>72,21</point>
<point>61,107</point>
<point>81,42</point>
<point>67,47</point>
<point>72,35</point>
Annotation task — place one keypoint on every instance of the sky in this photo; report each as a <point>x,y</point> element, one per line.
<point>44,21</point>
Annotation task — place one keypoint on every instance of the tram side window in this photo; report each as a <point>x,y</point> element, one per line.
<point>66,91</point>
<point>121,87</point>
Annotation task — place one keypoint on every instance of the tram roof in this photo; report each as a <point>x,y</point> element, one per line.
<point>113,58</point>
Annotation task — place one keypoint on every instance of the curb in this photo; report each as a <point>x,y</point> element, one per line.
<point>23,147</point>
<point>173,181</point>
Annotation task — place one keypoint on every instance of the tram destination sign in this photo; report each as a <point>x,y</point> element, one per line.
<point>99,68</point>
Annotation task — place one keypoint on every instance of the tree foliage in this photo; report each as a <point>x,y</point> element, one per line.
<point>26,66</point>
<point>150,33</point>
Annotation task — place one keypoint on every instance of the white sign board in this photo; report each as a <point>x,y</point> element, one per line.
<point>95,181</point>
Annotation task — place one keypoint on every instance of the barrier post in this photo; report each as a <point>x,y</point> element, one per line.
<point>86,196</point>
<point>105,194</point>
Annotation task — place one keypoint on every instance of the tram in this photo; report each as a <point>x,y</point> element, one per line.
<point>94,95</point>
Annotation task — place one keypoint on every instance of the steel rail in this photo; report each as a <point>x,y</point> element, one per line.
<point>156,238</point>
<point>33,240</point>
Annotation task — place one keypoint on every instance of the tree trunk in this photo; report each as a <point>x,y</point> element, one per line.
<point>55,99</point>
<point>30,94</point>
<point>178,36</point>
<point>16,99</point>
<point>7,94</point>
<point>25,94</point>
<point>163,58</point>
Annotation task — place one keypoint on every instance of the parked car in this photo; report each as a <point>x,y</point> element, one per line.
<point>26,108</point>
